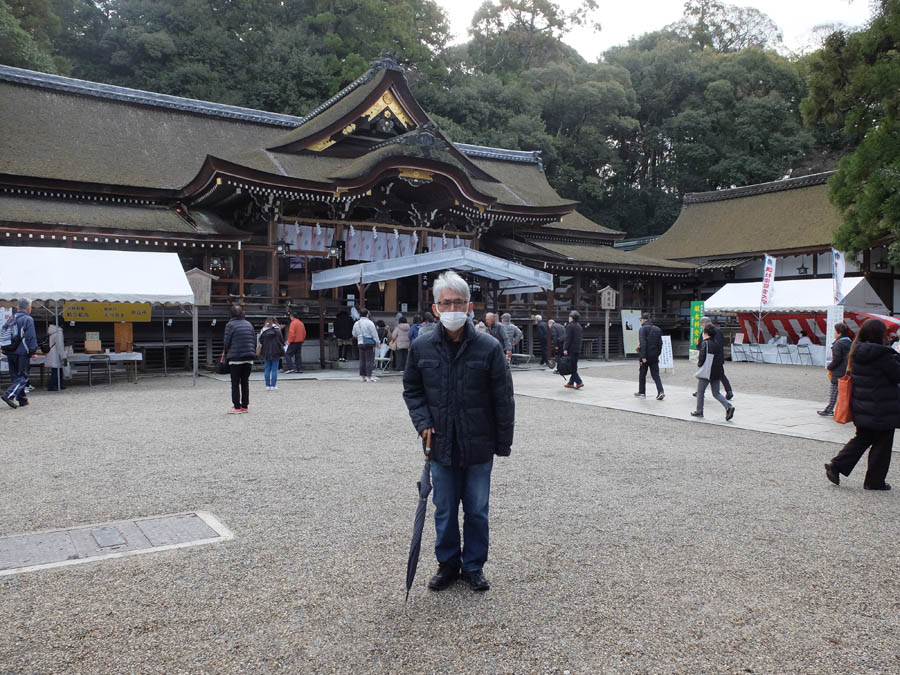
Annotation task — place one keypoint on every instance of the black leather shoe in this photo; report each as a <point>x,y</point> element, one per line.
<point>694,413</point>
<point>824,413</point>
<point>9,401</point>
<point>444,578</point>
<point>729,396</point>
<point>883,486</point>
<point>832,474</point>
<point>729,414</point>
<point>476,581</point>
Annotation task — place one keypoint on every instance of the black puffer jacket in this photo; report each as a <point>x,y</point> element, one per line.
<point>240,340</point>
<point>875,401</point>
<point>271,343</point>
<point>469,396</point>
<point>343,325</point>
<point>650,342</point>
<point>840,350</point>
<point>709,348</point>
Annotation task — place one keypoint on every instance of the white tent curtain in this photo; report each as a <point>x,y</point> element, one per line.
<point>796,295</point>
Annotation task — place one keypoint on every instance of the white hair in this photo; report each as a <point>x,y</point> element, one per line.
<point>24,303</point>
<point>452,281</point>
<point>705,320</point>
<point>537,317</point>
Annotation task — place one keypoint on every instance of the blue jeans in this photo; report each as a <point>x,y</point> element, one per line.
<point>18,374</point>
<point>471,486</point>
<point>271,372</point>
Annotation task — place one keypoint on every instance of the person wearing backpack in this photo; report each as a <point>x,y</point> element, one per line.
<point>19,352</point>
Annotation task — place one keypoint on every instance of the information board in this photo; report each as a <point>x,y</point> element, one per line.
<point>667,358</point>
<point>107,311</point>
<point>631,324</point>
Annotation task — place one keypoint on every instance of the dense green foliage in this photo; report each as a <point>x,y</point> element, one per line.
<point>704,104</point>
<point>854,88</point>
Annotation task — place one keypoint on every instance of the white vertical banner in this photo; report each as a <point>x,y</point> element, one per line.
<point>353,245</point>
<point>839,265</point>
<point>306,238</point>
<point>667,357</point>
<point>768,283</point>
<point>834,315</point>
<point>394,245</point>
<point>367,247</point>
<point>322,238</point>
<point>381,245</point>
<point>435,243</point>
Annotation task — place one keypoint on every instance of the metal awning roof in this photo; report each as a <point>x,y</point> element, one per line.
<point>513,277</point>
<point>725,263</point>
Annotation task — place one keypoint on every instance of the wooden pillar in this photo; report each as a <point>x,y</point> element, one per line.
<point>273,259</point>
<point>421,291</point>
<point>576,299</point>
<point>620,289</point>
<point>321,330</point>
<point>338,236</point>
<point>390,296</point>
<point>241,273</point>
<point>362,294</point>
<point>815,257</point>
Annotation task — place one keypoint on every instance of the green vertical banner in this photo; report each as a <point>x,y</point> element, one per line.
<point>696,315</point>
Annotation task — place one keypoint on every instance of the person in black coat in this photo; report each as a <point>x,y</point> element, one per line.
<point>540,335</point>
<point>343,333</point>
<point>720,340</point>
<point>649,351</point>
<point>572,348</point>
<point>271,350</point>
<point>710,349</point>
<point>459,393</point>
<point>840,350</point>
<point>875,402</point>
<point>240,351</point>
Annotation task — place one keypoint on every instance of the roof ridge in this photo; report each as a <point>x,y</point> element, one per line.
<point>524,156</point>
<point>758,189</point>
<point>141,97</point>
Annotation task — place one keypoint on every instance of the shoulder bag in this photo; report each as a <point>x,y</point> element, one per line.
<point>703,372</point>
<point>842,411</point>
<point>222,367</point>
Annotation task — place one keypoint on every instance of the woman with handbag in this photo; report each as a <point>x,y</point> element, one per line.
<point>874,372</point>
<point>367,336</point>
<point>270,350</point>
<point>710,371</point>
<point>840,350</point>
<point>56,356</point>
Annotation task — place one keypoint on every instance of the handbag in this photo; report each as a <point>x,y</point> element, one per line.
<point>564,365</point>
<point>368,340</point>
<point>842,412</point>
<point>222,367</point>
<point>704,371</point>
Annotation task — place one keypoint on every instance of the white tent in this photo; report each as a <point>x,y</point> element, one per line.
<point>796,296</point>
<point>513,277</point>
<point>67,275</point>
<point>60,275</point>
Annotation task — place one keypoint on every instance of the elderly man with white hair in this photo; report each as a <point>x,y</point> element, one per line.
<point>20,348</point>
<point>459,393</point>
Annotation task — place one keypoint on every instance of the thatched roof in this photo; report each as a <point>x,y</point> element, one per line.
<point>112,217</point>
<point>781,216</point>
<point>579,223</point>
<point>62,129</point>
<point>608,255</point>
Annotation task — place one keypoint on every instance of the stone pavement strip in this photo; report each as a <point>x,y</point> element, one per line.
<point>753,412</point>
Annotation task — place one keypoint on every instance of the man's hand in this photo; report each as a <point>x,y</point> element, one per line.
<point>565,353</point>
<point>643,360</point>
<point>34,357</point>
<point>426,436</point>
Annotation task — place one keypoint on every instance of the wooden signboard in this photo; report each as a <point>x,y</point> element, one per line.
<point>107,311</point>
<point>124,338</point>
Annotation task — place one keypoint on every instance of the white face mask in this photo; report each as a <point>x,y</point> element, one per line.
<point>453,320</point>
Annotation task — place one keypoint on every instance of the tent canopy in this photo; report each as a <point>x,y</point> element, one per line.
<point>799,295</point>
<point>513,277</point>
<point>65,274</point>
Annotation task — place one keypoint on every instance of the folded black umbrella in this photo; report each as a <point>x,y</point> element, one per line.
<point>415,546</point>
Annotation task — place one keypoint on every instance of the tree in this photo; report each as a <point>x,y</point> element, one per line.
<point>854,87</point>
<point>710,24</point>
<point>511,36</point>
<point>18,46</point>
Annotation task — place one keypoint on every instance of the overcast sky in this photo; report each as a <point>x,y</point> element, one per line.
<point>621,20</point>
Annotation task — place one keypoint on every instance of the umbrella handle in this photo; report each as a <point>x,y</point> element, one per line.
<point>428,442</point>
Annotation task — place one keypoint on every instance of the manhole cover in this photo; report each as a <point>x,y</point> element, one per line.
<point>27,552</point>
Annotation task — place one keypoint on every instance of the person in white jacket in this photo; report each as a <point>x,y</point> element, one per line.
<point>367,338</point>
<point>55,358</point>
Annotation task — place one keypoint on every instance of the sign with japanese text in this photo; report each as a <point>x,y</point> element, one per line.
<point>768,282</point>
<point>107,311</point>
<point>667,358</point>
<point>839,265</point>
<point>696,328</point>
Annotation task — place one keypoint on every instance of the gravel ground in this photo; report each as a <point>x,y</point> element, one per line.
<point>620,542</point>
<point>807,383</point>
